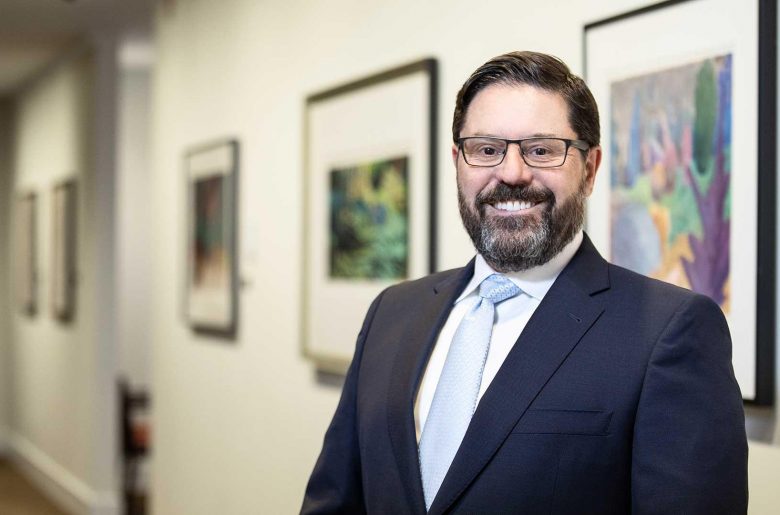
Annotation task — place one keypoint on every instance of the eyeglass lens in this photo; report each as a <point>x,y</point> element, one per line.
<point>539,152</point>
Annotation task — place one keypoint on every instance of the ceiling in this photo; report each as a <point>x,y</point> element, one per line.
<point>34,33</point>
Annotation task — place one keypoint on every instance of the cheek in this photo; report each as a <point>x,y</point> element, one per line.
<point>471,183</point>
<point>565,186</point>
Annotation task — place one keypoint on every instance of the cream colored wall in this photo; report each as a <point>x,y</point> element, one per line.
<point>764,471</point>
<point>62,430</point>
<point>238,425</point>
<point>50,127</point>
<point>134,262</point>
<point>5,245</point>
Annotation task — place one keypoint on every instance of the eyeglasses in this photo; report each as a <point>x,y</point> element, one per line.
<point>536,152</point>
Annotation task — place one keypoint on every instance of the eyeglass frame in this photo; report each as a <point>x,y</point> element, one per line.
<point>579,144</point>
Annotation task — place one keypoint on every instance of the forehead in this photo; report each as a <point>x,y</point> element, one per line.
<point>516,111</point>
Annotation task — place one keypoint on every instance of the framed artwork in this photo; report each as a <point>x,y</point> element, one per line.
<point>63,278</point>
<point>26,272</point>
<point>688,133</point>
<point>212,266</point>
<point>369,203</point>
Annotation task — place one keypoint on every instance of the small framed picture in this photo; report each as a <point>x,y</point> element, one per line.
<point>211,302</point>
<point>26,262</point>
<point>63,277</point>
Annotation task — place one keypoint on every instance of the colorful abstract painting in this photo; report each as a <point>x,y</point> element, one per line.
<point>670,175</point>
<point>369,221</point>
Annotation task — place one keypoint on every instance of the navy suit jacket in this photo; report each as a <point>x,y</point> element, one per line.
<point>618,397</point>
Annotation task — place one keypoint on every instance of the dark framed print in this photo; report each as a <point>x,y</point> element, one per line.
<point>688,134</point>
<point>369,184</point>
<point>63,277</point>
<point>212,266</point>
<point>26,262</point>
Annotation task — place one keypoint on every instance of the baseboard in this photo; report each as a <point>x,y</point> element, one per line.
<point>69,492</point>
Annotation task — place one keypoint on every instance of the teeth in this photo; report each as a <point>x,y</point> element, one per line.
<point>515,205</point>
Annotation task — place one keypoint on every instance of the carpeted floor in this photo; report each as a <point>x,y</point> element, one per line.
<point>19,497</point>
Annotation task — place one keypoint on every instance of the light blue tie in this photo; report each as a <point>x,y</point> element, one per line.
<point>456,394</point>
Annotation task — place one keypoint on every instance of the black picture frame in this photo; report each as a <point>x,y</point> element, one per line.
<point>759,44</point>
<point>64,247</point>
<point>211,284</point>
<point>26,254</point>
<point>342,135</point>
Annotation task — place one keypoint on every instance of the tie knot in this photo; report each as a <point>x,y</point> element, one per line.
<point>497,288</point>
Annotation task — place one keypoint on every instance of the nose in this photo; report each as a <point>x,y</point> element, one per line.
<point>513,169</point>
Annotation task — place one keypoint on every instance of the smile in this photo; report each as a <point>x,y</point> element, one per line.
<point>513,206</point>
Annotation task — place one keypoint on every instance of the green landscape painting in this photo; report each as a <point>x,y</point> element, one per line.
<point>369,220</point>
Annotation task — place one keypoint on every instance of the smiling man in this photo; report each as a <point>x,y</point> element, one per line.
<point>539,378</point>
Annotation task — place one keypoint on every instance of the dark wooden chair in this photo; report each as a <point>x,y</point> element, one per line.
<point>135,436</point>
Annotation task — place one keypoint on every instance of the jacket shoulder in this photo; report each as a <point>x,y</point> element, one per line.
<point>625,283</point>
<point>428,282</point>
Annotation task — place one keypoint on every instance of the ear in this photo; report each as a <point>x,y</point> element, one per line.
<point>455,155</point>
<point>592,164</point>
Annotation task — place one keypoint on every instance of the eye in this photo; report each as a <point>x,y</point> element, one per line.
<point>539,150</point>
<point>544,150</point>
<point>484,147</point>
<point>487,150</point>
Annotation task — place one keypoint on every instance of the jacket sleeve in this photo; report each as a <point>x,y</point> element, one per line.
<point>335,485</point>
<point>690,448</point>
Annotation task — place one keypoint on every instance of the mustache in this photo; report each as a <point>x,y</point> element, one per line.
<point>506,193</point>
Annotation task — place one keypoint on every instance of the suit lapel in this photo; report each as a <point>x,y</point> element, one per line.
<point>415,347</point>
<point>563,317</point>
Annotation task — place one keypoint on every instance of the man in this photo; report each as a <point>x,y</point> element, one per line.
<point>539,378</point>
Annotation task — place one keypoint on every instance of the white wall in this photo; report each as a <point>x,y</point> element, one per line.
<point>5,245</point>
<point>763,470</point>
<point>134,264</point>
<point>238,425</point>
<point>62,408</point>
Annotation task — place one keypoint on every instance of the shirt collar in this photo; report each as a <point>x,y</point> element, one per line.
<point>536,281</point>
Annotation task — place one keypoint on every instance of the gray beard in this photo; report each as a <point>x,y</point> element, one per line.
<point>513,244</point>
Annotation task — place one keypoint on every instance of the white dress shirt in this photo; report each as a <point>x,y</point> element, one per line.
<point>511,317</point>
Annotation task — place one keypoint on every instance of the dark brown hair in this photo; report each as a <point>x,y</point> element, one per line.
<point>539,70</point>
